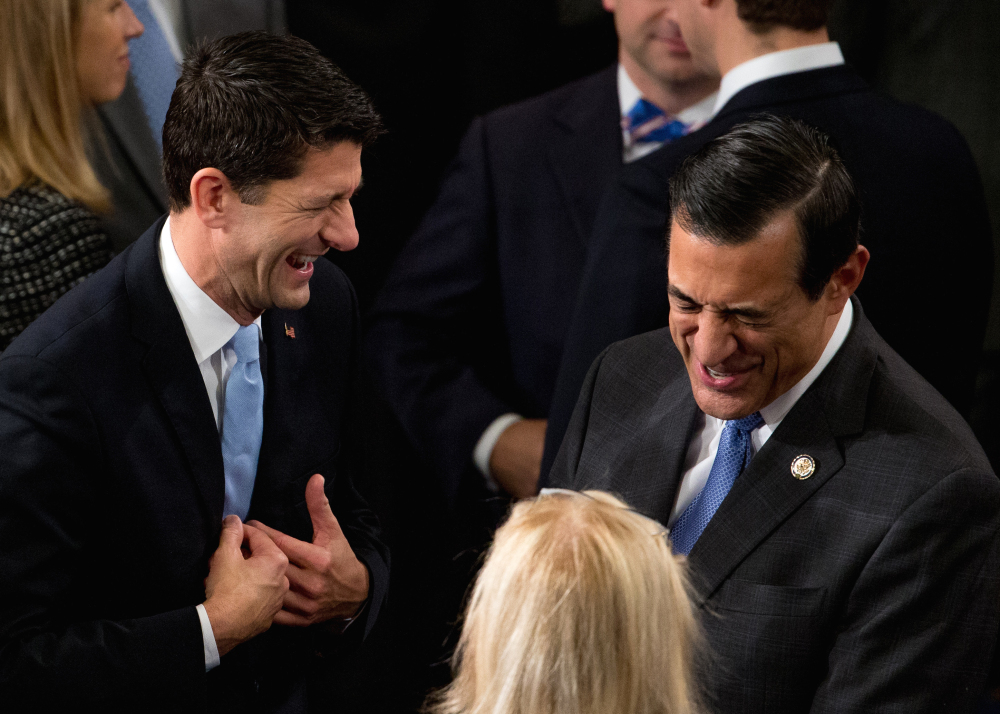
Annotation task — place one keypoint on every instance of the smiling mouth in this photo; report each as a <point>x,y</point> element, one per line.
<point>717,375</point>
<point>299,261</point>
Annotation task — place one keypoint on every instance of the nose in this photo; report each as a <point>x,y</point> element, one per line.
<point>712,341</point>
<point>133,28</point>
<point>339,231</point>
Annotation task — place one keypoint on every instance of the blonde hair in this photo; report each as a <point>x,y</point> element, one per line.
<point>41,109</point>
<point>580,608</point>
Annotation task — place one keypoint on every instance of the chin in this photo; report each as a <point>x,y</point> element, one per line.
<point>723,406</point>
<point>292,300</point>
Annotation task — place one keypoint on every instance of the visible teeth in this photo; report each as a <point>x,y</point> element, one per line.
<point>302,260</point>
<point>714,374</point>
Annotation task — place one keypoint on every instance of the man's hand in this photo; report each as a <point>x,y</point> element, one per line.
<point>327,580</point>
<point>243,593</point>
<point>516,461</point>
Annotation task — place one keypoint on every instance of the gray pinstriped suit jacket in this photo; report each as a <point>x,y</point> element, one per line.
<point>873,586</point>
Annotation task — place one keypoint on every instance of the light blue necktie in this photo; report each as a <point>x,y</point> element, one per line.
<point>154,68</point>
<point>735,451</point>
<point>647,123</point>
<point>242,422</point>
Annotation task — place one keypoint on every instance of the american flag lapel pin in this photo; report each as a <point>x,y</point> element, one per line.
<point>289,331</point>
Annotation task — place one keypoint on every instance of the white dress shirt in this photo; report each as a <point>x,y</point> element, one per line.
<point>628,95</point>
<point>705,442</point>
<point>776,64</point>
<point>209,329</point>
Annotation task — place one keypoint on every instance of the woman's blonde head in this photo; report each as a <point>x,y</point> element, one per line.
<point>580,608</point>
<point>40,103</point>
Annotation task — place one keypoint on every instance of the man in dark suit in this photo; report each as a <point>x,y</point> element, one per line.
<point>203,378</point>
<point>467,334</point>
<point>841,523</point>
<point>925,218</point>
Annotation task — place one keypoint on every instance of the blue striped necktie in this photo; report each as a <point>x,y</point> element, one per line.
<point>735,451</point>
<point>242,421</point>
<point>154,68</point>
<point>647,123</point>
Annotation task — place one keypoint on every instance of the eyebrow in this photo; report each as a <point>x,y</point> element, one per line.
<point>746,311</point>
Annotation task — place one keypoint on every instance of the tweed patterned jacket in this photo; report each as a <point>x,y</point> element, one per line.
<point>48,244</point>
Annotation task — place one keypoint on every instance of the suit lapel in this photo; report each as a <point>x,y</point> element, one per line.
<point>299,429</point>
<point>651,473</point>
<point>172,372</point>
<point>586,147</point>
<point>766,494</point>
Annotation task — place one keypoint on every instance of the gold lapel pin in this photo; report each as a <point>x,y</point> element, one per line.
<point>803,467</point>
<point>289,331</point>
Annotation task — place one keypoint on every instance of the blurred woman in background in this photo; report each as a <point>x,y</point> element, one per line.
<point>58,59</point>
<point>580,608</point>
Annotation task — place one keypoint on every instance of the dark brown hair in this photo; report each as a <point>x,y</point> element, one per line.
<point>251,105</point>
<point>763,15</point>
<point>731,189</point>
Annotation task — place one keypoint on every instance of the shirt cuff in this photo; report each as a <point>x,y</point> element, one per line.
<point>212,659</point>
<point>484,447</point>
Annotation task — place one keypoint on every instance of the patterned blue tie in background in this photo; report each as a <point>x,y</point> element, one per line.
<point>647,123</point>
<point>735,451</point>
<point>242,422</point>
<point>154,68</point>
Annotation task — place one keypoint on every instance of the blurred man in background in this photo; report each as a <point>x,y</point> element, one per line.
<point>466,336</point>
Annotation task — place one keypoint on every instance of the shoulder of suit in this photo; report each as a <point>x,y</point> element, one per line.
<point>650,357</point>
<point>544,105</point>
<point>82,323</point>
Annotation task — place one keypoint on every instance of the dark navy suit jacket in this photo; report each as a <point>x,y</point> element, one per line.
<point>111,496</point>
<point>472,320</point>
<point>927,288</point>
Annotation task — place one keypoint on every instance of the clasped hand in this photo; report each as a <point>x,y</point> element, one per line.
<point>283,580</point>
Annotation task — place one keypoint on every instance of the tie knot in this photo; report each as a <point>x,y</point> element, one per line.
<point>747,423</point>
<point>642,111</point>
<point>647,123</point>
<point>246,344</point>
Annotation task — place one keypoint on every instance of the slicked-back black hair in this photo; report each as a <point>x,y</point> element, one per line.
<point>251,105</point>
<point>731,189</point>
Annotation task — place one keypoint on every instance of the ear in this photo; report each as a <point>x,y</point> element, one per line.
<point>846,278</point>
<point>211,197</point>
<point>609,5</point>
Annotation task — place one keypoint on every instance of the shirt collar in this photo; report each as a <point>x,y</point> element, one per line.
<point>207,325</point>
<point>629,94</point>
<point>774,412</point>
<point>776,64</point>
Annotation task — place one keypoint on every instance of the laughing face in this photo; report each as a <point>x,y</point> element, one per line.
<point>265,257</point>
<point>746,329</point>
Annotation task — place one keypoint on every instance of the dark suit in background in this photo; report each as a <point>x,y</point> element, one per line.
<point>208,20</point>
<point>111,498</point>
<point>470,325</point>
<point>127,163</point>
<point>871,586</point>
<point>924,221</point>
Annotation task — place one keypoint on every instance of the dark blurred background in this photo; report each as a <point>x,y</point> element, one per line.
<point>431,66</point>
